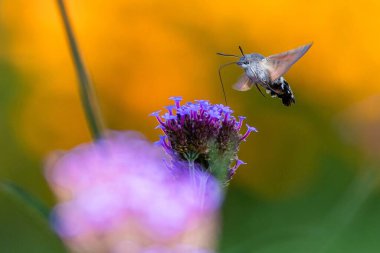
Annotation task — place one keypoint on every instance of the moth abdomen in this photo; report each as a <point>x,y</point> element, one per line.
<point>281,89</point>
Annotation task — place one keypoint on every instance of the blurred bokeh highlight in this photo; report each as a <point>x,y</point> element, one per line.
<point>311,183</point>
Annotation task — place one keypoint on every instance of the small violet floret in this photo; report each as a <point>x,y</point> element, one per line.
<point>249,130</point>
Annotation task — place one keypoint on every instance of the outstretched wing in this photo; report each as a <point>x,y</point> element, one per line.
<point>243,84</point>
<point>279,64</point>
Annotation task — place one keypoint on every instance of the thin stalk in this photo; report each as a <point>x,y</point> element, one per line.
<point>87,94</point>
<point>202,189</point>
<point>192,172</point>
<point>191,157</point>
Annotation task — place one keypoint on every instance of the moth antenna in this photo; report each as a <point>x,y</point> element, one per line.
<point>223,54</point>
<point>241,50</point>
<point>221,81</point>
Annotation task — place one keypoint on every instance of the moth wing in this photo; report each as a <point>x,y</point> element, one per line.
<point>243,84</point>
<point>279,64</point>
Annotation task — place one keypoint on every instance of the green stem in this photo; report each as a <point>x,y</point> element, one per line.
<point>201,187</point>
<point>87,94</point>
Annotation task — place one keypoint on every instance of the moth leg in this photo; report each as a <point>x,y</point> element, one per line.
<point>270,88</point>
<point>259,89</point>
<point>273,92</point>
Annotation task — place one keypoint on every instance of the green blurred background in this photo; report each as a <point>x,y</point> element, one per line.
<point>311,183</point>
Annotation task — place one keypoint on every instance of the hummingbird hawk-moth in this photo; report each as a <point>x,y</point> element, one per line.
<point>267,72</point>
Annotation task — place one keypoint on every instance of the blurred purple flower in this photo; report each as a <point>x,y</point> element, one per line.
<point>119,191</point>
<point>205,134</point>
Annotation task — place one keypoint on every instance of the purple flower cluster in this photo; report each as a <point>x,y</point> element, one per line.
<point>117,195</point>
<point>203,133</point>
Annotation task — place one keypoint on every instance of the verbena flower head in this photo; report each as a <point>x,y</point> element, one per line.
<point>118,195</point>
<point>206,134</point>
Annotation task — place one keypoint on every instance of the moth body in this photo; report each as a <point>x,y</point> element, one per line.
<point>267,72</point>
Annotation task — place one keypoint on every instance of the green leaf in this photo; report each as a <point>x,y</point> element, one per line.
<point>340,213</point>
<point>22,230</point>
<point>16,192</point>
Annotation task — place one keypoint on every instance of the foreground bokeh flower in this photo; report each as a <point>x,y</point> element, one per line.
<point>204,134</point>
<point>119,195</point>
